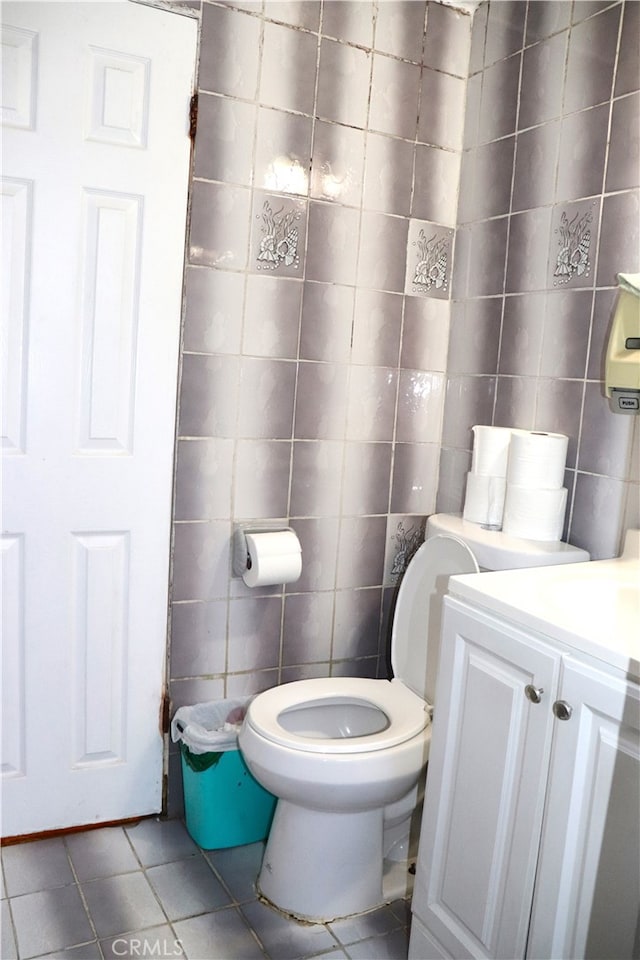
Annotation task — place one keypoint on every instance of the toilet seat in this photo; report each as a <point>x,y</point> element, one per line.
<point>407,713</point>
<point>419,610</point>
<point>405,702</point>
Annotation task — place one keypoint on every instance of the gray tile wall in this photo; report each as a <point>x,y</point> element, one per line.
<point>323,206</point>
<point>328,380</point>
<point>548,214</point>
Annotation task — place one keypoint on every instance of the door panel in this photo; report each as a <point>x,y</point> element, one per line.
<point>110,278</point>
<point>485,787</point>
<point>587,901</point>
<point>16,218</point>
<point>95,158</point>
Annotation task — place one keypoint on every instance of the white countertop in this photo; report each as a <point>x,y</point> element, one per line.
<point>593,607</point>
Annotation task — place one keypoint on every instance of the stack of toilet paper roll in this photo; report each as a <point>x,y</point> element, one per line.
<point>516,482</point>
<point>536,500</point>
<point>487,481</point>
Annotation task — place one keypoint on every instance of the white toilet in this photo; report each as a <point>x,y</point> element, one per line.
<point>345,756</point>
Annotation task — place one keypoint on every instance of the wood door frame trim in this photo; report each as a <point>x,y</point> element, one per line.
<point>66,831</point>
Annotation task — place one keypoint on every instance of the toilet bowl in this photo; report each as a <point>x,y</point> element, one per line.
<point>346,755</point>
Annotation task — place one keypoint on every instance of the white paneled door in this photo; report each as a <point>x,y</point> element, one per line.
<point>95,161</point>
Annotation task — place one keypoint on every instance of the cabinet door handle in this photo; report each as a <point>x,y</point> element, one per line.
<point>562,709</point>
<point>533,693</point>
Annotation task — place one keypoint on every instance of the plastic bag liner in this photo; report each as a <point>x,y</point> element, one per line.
<point>224,805</point>
<point>207,730</point>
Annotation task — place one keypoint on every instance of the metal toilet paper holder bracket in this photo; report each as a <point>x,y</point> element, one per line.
<point>241,559</point>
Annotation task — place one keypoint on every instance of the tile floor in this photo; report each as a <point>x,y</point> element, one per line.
<point>148,891</point>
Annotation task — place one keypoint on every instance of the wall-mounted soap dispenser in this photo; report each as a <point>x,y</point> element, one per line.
<point>622,367</point>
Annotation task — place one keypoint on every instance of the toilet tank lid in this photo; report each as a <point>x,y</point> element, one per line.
<point>495,550</point>
<point>415,635</point>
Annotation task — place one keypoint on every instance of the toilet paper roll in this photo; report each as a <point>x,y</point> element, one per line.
<point>537,459</point>
<point>490,451</point>
<point>484,500</point>
<point>272,557</point>
<point>534,514</point>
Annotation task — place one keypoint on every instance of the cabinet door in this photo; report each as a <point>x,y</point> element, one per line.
<point>588,885</point>
<point>485,788</point>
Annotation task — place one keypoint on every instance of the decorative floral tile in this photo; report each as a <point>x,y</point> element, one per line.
<point>574,229</point>
<point>429,250</point>
<point>404,535</point>
<point>278,230</point>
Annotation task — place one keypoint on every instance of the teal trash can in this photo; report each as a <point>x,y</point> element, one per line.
<point>224,804</point>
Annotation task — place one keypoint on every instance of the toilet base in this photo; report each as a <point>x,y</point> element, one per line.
<point>320,866</point>
<point>397,881</point>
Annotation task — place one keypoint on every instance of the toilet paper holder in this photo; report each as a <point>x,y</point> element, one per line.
<point>241,558</point>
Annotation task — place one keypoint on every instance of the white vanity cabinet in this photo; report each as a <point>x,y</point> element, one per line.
<point>530,842</point>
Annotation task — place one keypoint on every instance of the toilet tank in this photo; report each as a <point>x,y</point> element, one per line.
<point>495,550</point>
